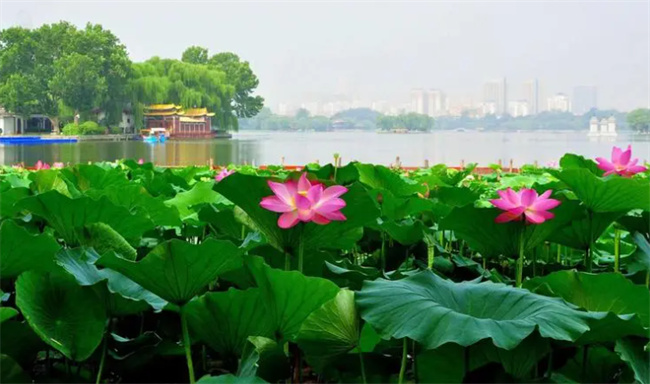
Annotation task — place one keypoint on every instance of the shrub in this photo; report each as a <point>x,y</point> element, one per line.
<point>71,129</point>
<point>91,128</point>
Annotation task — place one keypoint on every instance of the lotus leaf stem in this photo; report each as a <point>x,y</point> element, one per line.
<point>383,251</point>
<point>520,260</point>
<point>187,346</point>
<point>617,249</point>
<point>402,369</point>
<point>301,249</point>
<point>363,367</point>
<point>103,359</point>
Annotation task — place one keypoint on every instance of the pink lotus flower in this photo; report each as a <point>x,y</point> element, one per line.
<point>58,165</point>
<point>552,164</point>
<point>41,165</point>
<point>141,161</point>
<point>223,174</point>
<point>621,163</point>
<point>305,201</point>
<point>524,203</point>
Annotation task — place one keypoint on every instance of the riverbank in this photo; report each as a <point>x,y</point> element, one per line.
<point>104,137</point>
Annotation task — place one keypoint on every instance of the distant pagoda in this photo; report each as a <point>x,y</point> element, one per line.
<point>180,123</point>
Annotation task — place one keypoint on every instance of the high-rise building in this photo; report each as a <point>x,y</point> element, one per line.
<point>584,99</point>
<point>418,101</point>
<point>531,96</point>
<point>518,108</point>
<point>559,103</point>
<point>436,103</point>
<point>495,91</point>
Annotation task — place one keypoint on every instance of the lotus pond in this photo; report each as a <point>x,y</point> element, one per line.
<point>126,273</point>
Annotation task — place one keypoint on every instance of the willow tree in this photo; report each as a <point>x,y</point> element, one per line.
<point>189,85</point>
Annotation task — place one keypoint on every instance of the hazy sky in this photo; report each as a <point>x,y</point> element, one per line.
<point>380,50</point>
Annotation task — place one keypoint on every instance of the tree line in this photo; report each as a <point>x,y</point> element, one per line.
<point>367,119</point>
<point>358,118</point>
<point>60,71</point>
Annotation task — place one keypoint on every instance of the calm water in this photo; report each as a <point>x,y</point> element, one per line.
<point>300,148</point>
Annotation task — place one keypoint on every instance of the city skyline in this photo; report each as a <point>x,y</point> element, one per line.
<point>446,46</point>
<point>498,98</point>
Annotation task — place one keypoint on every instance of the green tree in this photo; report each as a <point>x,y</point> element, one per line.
<point>41,58</point>
<point>17,95</point>
<point>302,114</point>
<point>639,119</point>
<point>195,55</point>
<point>240,75</point>
<point>78,83</point>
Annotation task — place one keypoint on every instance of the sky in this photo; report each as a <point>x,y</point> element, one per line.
<point>376,50</point>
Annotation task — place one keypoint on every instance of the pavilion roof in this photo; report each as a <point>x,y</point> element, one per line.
<point>194,112</point>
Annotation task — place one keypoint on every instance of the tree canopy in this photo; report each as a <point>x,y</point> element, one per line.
<point>58,66</point>
<point>639,119</point>
<point>58,69</point>
<point>238,74</point>
<point>409,121</point>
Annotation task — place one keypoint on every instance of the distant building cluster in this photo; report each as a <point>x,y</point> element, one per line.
<point>498,98</point>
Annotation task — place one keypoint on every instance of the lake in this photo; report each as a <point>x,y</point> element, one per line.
<point>448,147</point>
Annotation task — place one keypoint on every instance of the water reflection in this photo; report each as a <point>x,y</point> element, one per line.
<point>300,148</point>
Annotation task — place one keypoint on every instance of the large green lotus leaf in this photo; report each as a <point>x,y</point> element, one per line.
<point>611,194</point>
<point>230,379</point>
<point>136,199</point>
<point>122,296</point>
<point>201,193</point>
<point>224,320</point>
<point>176,270</point>
<point>68,216</point>
<point>87,176</point>
<point>11,372</point>
<point>222,221</point>
<point>255,348</point>
<point>247,191</point>
<point>20,342</point>
<point>477,227</point>
<point>103,238</point>
<point>446,364</point>
<point>382,178</point>
<point>584,227</point>
<point>441,175</point>
<point>640,260</point>
<point>405,232</point>
<point>455,196</point>
<point>352,273</point>
<point>8,199</point>
<point>603,292</point>
<point>397,208</point>
<point>600,366</point>
<point>7,313</point>
<point>519,361</point>
<point>15,180</point>
<point>632,352</point>
<point>290,296</point>
<point>51,180</point>
<point>331,330</point>
<point>576,161</point>
<point>434,311</point>
<point>21,251</point>
<point>68,317</point>
<point>636,223</point>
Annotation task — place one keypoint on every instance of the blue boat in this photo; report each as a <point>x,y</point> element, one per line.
<point>154,135</point>
<point>34,140</point>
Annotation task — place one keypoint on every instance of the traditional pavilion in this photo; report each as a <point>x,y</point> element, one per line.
<point>189,123</point>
